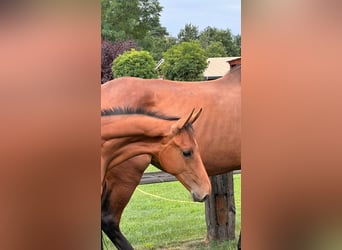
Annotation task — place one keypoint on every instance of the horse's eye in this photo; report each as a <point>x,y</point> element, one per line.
<point>187,153</point>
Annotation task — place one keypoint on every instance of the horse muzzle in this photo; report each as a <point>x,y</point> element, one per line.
<point>199,199</point>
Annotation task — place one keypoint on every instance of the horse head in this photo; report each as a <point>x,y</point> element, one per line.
<point>180,156</point>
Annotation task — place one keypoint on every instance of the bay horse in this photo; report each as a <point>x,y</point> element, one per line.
<point>219,140</point>
<point>126,133</point>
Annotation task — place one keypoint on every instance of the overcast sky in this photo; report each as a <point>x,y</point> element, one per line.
<point>221,14</point>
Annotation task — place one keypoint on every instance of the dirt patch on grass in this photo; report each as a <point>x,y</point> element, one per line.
<point>202,244</point>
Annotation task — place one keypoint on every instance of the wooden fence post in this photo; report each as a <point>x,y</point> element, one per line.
<point>220,208</point>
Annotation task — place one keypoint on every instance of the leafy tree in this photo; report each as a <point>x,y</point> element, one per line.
<point>135,63</point>
<point>237,41</point>
<point>211,34</point>
<point>206,36</point>
<point>215,49</point>
<point>157,45</point>
<point>189,33</point>
<point>185,61</point>
<point>157,42</point>
<point>122,19</point>
<point>109,52</point>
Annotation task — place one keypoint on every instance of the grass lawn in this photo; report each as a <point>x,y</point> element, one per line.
<point>172,221</point>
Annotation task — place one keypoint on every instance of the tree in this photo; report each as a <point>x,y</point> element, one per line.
<point>185,61</point>
<point>122,19</point>
<point>157,45</point>
<point>189,33</point>
<point>215,49</point>
<point>237,41</point>
<point>157,42</point>
<point>109,52</point>
<point>135,63</point>
<point>227,39</point>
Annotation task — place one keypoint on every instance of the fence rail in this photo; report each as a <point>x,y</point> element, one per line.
<point>159,177</point>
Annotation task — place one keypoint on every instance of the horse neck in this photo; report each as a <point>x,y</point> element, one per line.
<point>119,150</point>
<point>145,145</point>
<point>133,125</point>
<point>124,137</point>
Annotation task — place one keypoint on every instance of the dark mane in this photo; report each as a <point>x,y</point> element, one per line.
<point>137,111</point>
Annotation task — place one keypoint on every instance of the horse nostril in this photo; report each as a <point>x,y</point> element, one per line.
<point>205,198</point>
<point>195,198</point>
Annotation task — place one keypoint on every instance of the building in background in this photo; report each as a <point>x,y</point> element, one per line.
<point>219,66</point>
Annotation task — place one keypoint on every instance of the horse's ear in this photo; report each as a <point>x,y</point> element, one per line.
<point>195,116</point>
<point>181,122</point>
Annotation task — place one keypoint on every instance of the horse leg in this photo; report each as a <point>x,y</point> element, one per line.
<point>239,242</point>
<point>121,182</point>
<point>104,197</point>
<point>101,241</point>
<point>109,226</point>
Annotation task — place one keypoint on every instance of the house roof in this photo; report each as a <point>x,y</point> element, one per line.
<point>218,66</point>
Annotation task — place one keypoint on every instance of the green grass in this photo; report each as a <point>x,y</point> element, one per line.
<point>152,168</point>
<point>173,222</point>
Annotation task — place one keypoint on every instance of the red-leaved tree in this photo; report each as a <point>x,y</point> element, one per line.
<point>111,51</point>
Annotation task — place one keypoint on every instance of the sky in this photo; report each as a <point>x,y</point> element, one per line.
<point>221,14</point>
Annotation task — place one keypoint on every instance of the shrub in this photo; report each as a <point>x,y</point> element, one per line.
<point>109,52</point>
<point>135,63</point>
<point>185,62</point>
